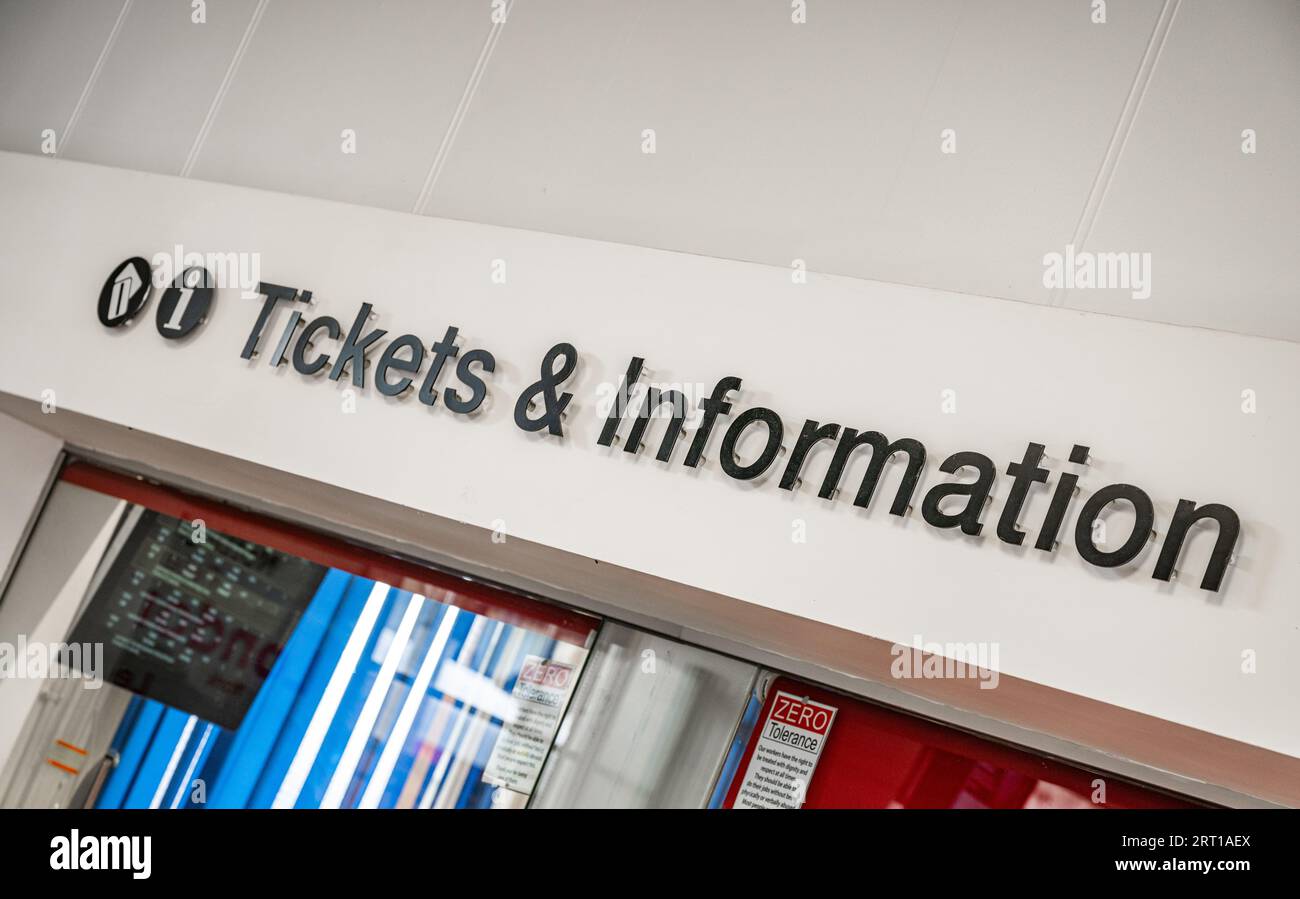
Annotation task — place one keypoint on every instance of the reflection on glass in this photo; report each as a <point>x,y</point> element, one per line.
<point>192,617</point>
<point>381,699</point>
<point>650,726</point>
<point>238,675</point>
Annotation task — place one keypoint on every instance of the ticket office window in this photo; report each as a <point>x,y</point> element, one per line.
<point>650,726</point>
<point>804,746</point>
<point>262,665</point>
<point>212,658</point>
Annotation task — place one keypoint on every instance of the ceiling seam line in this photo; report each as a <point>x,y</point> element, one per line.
<point>425,196</point>
<point>887,202</point>
<point>223,88</point>
<point>89,88</point>
<point>1119,137</point>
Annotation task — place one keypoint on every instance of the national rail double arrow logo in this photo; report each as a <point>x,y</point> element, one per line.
<point>125,292</point>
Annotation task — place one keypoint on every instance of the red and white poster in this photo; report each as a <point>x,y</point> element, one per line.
<point>541,693</point>
<point>785,756</point>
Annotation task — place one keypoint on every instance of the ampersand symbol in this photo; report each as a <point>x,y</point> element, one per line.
<point>551,379</point>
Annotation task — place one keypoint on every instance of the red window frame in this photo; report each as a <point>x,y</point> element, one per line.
<point>563,624</point>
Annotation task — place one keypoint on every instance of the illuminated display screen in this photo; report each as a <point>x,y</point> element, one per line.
<point>194,618</point>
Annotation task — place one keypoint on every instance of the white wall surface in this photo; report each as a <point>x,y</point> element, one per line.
<point>43,599</point>
<point>1159,405</point>
<point>28,457</point>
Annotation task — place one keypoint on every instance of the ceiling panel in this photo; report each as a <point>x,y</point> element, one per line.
<point>392,72</point>
<point>819,141</point>
<point>1221,225</point>
<point>775,141</point>
<point>767,134</point>
<point>48,49</point>
<point>1034,92</point>
<point>157,83</point>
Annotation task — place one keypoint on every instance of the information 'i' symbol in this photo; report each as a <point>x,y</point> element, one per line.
<point>184,306</point>
<point>124,293</point>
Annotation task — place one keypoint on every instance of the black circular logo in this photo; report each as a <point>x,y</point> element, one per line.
<point>184,306</point>
<point>125,292</point>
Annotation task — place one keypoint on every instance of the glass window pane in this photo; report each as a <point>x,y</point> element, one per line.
<point>650,728</point>
<point>234,673</point>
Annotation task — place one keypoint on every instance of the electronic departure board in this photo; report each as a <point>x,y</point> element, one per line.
<point>195,619</point>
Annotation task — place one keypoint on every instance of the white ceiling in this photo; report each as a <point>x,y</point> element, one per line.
<point>775,141</point>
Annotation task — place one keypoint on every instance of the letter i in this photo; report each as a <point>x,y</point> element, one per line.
<point>1060,502</point>
<point>622,400</point>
